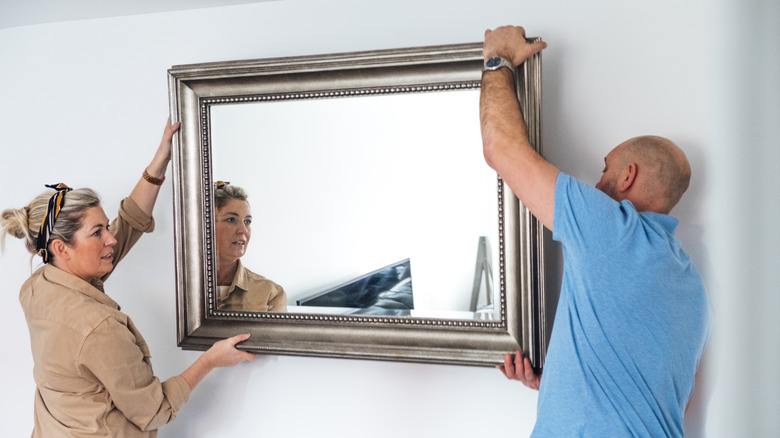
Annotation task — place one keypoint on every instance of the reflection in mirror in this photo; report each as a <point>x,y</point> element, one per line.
<point>386,291</point>
<point>238,288</point>
<point>342,186</point>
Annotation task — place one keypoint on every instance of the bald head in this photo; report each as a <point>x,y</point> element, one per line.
<point>663,169</point>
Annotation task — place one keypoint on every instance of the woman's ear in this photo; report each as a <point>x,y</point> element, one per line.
<point>59,249</point>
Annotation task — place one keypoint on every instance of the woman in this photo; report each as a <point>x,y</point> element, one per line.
<point>92,368</point>
<point>238,287</point>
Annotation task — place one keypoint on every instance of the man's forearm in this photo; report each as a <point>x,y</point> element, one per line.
<point>507,149</point>
<point>500,116</point>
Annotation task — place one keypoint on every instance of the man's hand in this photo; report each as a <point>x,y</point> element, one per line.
<point>509,42</point>
<point>519,368</point>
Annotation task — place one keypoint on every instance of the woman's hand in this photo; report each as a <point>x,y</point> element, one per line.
<point>519,368</point>
<point>164,151</point>
<point>222,354</point>
<point>225,354</point>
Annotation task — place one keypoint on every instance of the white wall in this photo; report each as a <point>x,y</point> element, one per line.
<point>84,102</point>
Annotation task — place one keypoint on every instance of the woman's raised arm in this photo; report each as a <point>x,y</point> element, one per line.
<point>145,192</point>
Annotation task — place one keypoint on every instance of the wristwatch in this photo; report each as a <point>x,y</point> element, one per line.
<point>496,63</point>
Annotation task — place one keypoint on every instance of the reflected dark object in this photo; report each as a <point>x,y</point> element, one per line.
<point>386,291</point>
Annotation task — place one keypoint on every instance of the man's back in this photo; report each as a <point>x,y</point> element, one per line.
<point>630,326</point>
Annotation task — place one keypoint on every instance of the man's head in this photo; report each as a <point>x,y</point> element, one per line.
<point>650,171</point>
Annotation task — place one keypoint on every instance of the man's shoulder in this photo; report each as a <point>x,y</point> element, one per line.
<point>586,215</point>
<point>571,193</point>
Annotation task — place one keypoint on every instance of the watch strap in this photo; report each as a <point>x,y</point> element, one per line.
<point>495,63</point>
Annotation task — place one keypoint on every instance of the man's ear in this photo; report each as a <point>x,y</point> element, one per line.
<point>59,249</point>
<point>627,178</point>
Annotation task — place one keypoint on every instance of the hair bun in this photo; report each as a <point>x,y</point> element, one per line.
<point>14,222</point>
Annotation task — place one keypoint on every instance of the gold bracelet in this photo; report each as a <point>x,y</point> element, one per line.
<point>153,180</point>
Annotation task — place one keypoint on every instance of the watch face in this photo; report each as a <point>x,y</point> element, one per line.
<point>493,62</point>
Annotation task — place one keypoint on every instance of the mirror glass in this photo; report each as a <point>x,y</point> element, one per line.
<point>342,187</point>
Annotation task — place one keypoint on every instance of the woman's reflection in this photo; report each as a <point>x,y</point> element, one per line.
<point>238,288</point>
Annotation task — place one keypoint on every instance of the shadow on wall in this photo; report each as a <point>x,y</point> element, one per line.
<point>690,209</point>
<point>695,418</point>
<point>691,233</point>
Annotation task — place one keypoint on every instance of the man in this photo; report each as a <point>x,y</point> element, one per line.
<point>631,321</point>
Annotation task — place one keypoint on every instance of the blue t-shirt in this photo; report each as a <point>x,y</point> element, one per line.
<point>631,322</point>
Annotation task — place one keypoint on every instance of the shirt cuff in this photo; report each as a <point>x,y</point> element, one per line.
<point>135,217</point>
<point>177,391</point>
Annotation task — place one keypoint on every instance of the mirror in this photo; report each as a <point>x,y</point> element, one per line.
<point>371,206</point>
<point>406,179</point>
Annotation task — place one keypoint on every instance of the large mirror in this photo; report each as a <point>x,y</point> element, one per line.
<point>339,205</point>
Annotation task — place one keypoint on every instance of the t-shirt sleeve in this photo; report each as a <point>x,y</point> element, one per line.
<point>586,219</point>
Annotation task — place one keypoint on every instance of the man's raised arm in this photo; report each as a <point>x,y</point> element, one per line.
<point>504,135</point>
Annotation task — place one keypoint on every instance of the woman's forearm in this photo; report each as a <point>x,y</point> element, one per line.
<point>148,187</point>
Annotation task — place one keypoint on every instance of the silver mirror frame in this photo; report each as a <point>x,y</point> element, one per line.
<point>195,88</point>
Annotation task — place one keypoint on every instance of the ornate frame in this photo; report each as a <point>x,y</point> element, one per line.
<point>195,88</point>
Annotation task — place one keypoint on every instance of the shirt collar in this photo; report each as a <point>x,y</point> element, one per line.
<point>93,290</point>
<point>239,281</point>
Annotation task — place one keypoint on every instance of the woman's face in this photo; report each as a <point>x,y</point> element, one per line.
<point>233,230</point>
<point>91,253</point>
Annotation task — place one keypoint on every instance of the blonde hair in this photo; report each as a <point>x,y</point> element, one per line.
<point>226,192</point>
<point>25,223</point>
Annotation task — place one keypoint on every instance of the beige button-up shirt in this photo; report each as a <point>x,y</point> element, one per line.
<point>252,292</point>
<point>92,367</point>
